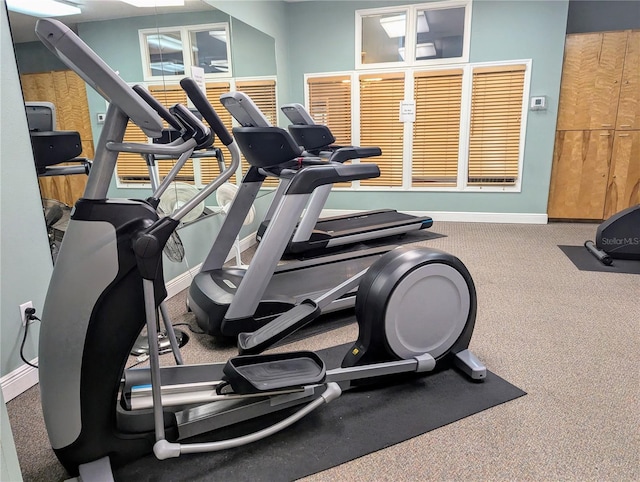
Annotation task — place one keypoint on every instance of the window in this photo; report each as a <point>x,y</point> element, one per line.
<point>209,50</point>
<point>436,131</point>
<point>467,133</point>
<point>164,53</point>
<point>496,116</point>
<point>383,37</point>
<point>439,33</point>
<point>131,168</point>
<point>380,96</point>
<point>171,52</point>
<point>428,33</point>
<point>263,93</point>
<point>330,104</point>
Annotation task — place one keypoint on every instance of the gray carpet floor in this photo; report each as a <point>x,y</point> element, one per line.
<point>569,338</point>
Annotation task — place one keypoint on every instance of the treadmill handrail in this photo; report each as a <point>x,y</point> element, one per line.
<point>345,154</point>
<point>312,177</point>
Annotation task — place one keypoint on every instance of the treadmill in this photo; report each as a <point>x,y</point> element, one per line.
<point>230,300</point>
<point>313,233</point>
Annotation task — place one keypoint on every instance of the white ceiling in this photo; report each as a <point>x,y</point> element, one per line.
<point>23,26</point>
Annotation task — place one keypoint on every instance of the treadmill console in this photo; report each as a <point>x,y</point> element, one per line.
<point>244,110</point>
<point>297,114</point>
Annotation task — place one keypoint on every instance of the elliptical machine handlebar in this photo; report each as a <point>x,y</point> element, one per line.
<point>157,106</point>
<point>176,148</point>
<point>178,120</point>
<point>193,126</point>
<point>204,107</point>
<point>195,135</point>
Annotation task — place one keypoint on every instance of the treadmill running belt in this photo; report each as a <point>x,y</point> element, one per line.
<point>358,222</point>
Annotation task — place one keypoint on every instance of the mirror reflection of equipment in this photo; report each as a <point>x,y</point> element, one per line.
<point>50,148</point>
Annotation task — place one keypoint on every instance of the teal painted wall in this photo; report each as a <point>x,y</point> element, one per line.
<point>253,53</point>
<point>499,31</point>
<point>34,57</point>
<point>269,17</point>
<point>25,259</point>
<point>19,209</point>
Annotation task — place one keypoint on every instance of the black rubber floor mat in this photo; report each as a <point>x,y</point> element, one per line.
<point>585,261</point>
<point>357,423</point>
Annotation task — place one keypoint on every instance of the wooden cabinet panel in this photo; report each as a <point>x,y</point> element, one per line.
<point>37,87</point>
<point>66,189</point>
<point>579,174</point>
<point>623,188</point>
<point>591,75</point>
<point>629,103</point>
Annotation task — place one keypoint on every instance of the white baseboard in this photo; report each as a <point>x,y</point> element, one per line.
<point>19,380</point>
<point>463,217</point>
<point>183,281</point>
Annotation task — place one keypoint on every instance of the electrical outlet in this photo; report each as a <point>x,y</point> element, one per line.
<point>23,308</point>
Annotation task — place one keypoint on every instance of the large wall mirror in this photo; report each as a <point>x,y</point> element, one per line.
<point>154,46</point>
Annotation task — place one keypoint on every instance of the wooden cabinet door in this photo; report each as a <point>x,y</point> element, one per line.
<point>623,188</point>
<point>591,75</point>
<point>629,104</point>
<point>579,174</point>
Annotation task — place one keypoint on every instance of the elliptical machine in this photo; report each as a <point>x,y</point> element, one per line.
<point>108,279</point>
<point>618,237</point>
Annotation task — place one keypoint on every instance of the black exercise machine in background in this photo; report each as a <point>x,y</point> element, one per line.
<point>50,148</point>
<point>618,237</point>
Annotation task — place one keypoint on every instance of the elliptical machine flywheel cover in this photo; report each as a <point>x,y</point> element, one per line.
<point>411,302</point>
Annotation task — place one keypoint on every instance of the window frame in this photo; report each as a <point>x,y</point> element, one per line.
<point>185,37</point>
<point>410,34</point>
<point>465,119</point>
